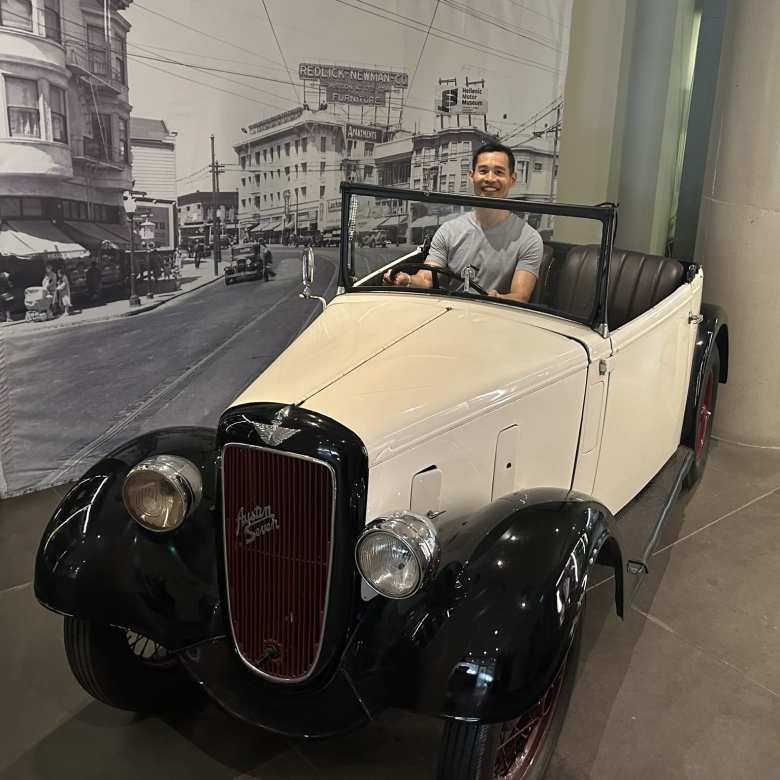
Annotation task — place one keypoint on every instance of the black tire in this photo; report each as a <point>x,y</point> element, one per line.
<point>704,417</point>
<point>228,280</point>
<point>470,751</point>
<point>108,667</point>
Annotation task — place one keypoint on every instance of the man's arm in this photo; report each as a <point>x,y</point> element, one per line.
<point>523,283</point>
<point>437,255</point>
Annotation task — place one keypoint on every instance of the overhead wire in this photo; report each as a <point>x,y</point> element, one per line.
<point>425,41</point>
<point>281,51</point>
<point>440,34</point>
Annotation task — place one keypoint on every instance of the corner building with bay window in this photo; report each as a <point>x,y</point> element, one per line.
<point>291,167</point>
<point>64,116</point>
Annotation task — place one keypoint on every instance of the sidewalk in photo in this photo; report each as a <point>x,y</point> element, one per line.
<point>191,279</point>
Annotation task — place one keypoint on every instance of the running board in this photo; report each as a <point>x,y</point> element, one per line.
<point>640,522</point>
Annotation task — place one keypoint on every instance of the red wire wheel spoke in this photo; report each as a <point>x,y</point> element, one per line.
<point>704,415</point>
<point>521,738</point>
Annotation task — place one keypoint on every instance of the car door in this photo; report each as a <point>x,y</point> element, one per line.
<point>647,384</point>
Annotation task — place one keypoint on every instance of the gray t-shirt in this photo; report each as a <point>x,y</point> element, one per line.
<point>512,245</point>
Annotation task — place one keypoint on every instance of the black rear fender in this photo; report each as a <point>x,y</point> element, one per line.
<point>712,334</point>
<point>95,562</point>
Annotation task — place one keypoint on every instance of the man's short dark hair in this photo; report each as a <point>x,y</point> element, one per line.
<point>494,146</point>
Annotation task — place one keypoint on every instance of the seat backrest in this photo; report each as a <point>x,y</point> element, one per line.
<point>637,282</point>
<point>540,292</point>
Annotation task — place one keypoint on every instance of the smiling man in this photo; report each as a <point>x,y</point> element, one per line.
<point>505,249</point>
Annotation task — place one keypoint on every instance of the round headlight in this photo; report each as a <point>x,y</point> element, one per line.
<point>397,553</point>
<point>162,491</point>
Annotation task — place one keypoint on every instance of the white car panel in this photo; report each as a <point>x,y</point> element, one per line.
<point>648,383</point>
<point>458,367</point>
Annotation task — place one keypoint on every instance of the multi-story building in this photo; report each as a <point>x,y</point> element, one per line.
<point>440,162</point>
<point>64,113</point>
<point>291,167</point>
<point>153,149</point>
<point>196,213</point>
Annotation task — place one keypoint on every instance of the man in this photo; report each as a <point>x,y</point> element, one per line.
<point>93,282</point>
<point>505,250</point>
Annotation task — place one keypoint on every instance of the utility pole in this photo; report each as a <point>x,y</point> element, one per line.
<point>216,248</point>
<point>556,133</point>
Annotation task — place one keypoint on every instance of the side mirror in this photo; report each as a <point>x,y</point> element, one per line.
<point>307,268</point>
<point>307,272</point>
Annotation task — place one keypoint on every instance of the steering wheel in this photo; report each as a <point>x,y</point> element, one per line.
<point>436,270</point>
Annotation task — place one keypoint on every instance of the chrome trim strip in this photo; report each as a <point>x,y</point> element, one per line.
<point>246,661</point>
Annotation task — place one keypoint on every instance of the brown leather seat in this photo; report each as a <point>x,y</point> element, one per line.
<point>637,282</point>
<point>542,282</point>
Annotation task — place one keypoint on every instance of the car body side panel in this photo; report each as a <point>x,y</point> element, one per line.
<point>648,384</point>
<point>466,456</point>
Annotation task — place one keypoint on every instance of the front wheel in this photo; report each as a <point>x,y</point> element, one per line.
<point>518,749</point>
<point>121,668</point>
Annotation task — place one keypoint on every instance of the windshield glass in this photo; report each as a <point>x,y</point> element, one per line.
<point>542,256</point>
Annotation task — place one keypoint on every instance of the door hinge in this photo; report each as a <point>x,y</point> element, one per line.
<point>695,319</point>
<point>605,365</point>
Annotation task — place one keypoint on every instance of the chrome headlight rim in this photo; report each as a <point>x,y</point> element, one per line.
<point>415,532</point>
<point>181,474</point>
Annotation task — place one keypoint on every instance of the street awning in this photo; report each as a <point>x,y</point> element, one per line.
<point>93,234</point>
<point>431,221</point>
<point>390,221</point>
<point>270,228</point>
<point>369,224</point>
<point>38,238</point>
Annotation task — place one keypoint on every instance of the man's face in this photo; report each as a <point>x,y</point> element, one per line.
<point>491,176</point>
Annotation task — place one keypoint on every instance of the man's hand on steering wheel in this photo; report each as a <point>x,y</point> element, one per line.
<point>399,278</point>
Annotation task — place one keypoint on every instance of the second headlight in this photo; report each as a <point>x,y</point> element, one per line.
<point>397,553</point>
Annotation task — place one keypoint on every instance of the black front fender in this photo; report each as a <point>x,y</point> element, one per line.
<point>484,641</point>
<point>97,563</point>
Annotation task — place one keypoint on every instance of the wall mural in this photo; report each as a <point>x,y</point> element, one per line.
<point>145,147</point>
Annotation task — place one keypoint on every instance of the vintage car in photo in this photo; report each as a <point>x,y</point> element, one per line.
<point>405,509</point>
<point>244,263</point>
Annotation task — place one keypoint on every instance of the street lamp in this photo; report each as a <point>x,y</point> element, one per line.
<point>147,239</point>
<point>130,207</point>
<point>286,195</point>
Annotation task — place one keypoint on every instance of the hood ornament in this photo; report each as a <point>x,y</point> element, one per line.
<point>275,433</point>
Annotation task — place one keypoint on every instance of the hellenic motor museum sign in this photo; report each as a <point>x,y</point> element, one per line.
<point>471,99</point>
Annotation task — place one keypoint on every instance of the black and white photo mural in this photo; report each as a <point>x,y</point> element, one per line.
<point>146,146</point>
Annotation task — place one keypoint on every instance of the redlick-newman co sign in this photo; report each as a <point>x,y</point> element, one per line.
<point>353,76</point>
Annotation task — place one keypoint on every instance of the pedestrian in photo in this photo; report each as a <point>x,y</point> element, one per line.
<point>92,278</point>
<point>49,281</point>
<point>6,296</point>
<point>62,293</point>
<point>198,254</point>
<point>156,264</point>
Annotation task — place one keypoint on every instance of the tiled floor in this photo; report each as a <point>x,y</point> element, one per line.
<point>688,686</point>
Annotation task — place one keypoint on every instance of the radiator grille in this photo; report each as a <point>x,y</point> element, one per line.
<point>278,524</point>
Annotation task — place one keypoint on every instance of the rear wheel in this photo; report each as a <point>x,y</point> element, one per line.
<point>122,668</point>
<point>705,416</point>
<point>518,749</point>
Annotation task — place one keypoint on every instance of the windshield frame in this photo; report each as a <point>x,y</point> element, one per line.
<point>605,213</point>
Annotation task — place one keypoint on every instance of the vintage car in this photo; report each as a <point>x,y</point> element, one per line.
<point>244,264</point>
<point>406,507</point>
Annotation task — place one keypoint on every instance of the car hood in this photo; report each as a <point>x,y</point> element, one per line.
<point>398,368</point>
